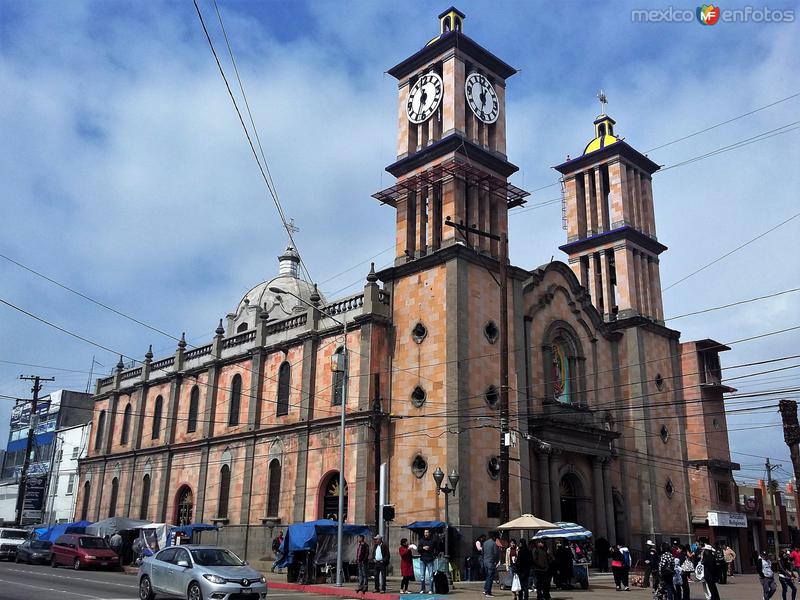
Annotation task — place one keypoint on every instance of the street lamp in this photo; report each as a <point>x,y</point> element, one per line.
<point>438,477</point>
<point>344,368</point>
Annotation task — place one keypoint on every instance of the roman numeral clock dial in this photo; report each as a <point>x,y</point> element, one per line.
<point>424,98</point>
<point>482,98</point>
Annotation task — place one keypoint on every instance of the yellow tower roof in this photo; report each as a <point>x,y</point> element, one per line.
<point>603,134</point>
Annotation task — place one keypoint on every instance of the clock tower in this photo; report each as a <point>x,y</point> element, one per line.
<point>451,144</point>
<point>444,356</point>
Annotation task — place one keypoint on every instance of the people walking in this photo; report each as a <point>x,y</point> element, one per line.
<point>687,568</point>
<point>603,550</point>
<point>489,558</point>
<point>766,575</point>
<point>620,566</point>
<point>730,556</point>
<point>380,560</point>
<point>706,571</point>
<point>362,559</point>
<point>722,566</point>
<point>786,575</point>
<point>427,553</point>
<point>523,566</point>
<point>511,559</point>
<point>276,550</point>
<point>542,563</point>
<point>406,565</point>
<point>650,564</point>
<point>666,573</point>
<point>796,561</point>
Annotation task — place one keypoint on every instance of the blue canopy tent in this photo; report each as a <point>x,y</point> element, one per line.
<point>565,530</point>
<point>419,526</point>
<point>190,529</point>
<point>319,537</point>
<point>53,533</point>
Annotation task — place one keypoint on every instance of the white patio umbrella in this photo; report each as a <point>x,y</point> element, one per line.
<point>528,522</point>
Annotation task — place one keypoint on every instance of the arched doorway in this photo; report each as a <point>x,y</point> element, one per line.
<point>329,497</point>
<point>184,505</point>
<point>570,489</point>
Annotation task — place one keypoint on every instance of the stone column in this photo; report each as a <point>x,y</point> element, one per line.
<point>599,498</point>
<point>609,501</point>
<point>555,495</point>
<point>591,203</point>
<point>593,276</point>
<point>544,485</point>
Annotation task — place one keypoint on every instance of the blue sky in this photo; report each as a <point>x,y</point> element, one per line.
<point>124,172</point>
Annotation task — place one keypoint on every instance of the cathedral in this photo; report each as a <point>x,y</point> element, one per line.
<point>575,403</point>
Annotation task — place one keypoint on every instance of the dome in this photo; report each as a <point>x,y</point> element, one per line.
<point>278,306</point>
<point>604,134</point>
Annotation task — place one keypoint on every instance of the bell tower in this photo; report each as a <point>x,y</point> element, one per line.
<point>611,228</point>
<point>451,144</point>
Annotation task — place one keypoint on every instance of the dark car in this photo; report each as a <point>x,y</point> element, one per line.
<point>33,551</point>
<point>81,551</point>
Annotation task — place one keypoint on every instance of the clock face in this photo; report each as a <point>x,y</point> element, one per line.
<point>424,98</point>
<point>482,98</point>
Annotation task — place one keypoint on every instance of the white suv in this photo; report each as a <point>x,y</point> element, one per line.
<point>9,540</point>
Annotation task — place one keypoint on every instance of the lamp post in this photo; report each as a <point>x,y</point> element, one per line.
<point>438,477</point>
<point>343,367</point>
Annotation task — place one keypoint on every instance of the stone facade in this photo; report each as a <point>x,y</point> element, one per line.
<point>605,408</point>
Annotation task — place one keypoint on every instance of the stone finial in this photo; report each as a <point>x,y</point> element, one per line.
<point>372,277</point>
<point>120,364</point>
<point>220,331</point>
<point>315,297</point>
<point>182,343</point>
<point>148,357</point>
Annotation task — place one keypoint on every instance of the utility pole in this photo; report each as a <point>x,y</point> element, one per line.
<point>791,435</point>
<point>377,419</point>
<point>504,417</point>
<point>771,493</point>
<point>23,480</point>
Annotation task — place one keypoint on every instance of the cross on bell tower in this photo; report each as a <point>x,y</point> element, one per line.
<point>611,229</point>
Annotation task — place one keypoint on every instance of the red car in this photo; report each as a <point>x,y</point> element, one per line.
<point>81,551</point>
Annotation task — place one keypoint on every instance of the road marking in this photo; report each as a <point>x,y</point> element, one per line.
<point>37,587</point>
<point>54,576</point>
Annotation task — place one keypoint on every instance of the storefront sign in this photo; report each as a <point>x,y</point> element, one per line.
<point>726,519</point>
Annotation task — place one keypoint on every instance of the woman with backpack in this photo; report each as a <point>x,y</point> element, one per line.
<point>620,566</point>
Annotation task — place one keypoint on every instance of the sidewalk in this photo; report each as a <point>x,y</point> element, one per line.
<point>601,587</point>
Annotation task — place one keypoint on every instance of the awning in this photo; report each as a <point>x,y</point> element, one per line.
<point>569,531</point>
<point>528,522</point>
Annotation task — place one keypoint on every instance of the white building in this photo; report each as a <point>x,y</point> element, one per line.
<point>70,445</point>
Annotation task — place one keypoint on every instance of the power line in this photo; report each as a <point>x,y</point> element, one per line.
<point>686,137</point>
<point>699,312</point>
<point>727,254</point>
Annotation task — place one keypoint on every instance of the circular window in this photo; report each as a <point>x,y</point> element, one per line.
<point>664,433</point>
<point>659,382</point>
<point>491,332</point>
<point>419,466</point>
<point>493,467</point>
<point>492,395</point>
<point>418,396</point>
<point>669,488</point>
<point>419,332</point>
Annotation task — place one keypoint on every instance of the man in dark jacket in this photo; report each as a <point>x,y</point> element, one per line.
<point>427,553</point>
<point>709,561</point>
<point>380,558</point>
<point>362,559</point>
<point>650,564</point>
<point>541,570</point>
<point>490,557</point>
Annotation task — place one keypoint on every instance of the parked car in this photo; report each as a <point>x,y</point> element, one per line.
<point>33,551</point>
<point>80,551</point>
<point>9,540</point>
<point>199,572</point>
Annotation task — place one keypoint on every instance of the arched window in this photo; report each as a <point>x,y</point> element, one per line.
<point>284,380</point>
<point>601,130</point>
<point>241,328</point>
<point>563,365</point>
<point>184,506</point>
<point>112,504</point>
<point>194,401</point>
<point>330,498</point>
<point>157,409</point>
<point>236,400</point>
<point>126,425</point>
<point>145,497</point>
<point>101,425</point>
<point>338,378</point>
<point>224,491</point>
<point>87,491</point>
<point>274,491</point>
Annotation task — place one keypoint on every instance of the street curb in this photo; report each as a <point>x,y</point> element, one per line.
<point>342,592</point>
